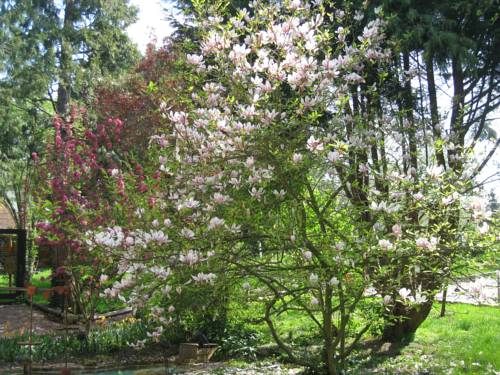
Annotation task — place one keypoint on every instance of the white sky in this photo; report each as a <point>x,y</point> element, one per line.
<point>151,23</point>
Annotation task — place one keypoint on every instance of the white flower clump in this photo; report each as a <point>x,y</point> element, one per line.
<point>406,296</point>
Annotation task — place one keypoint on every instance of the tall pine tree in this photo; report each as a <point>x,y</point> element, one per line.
<point>51,54</point>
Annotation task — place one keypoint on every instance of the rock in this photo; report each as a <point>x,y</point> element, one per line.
<point>267,350</point>
<point>388,348</point>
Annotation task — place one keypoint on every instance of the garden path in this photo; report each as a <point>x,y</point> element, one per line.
<point>15,319</point>
<point>474,291</point>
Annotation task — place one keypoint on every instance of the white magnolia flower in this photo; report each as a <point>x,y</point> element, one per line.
<point>166,290</point>
<point>103,278</point>
<point>419,298</point>
<point>219,198</point>
<point>187,233</point>
<point>307,255</point>
<point>313,278</point>
<point>315,145</point>
<point>418,196</point>
<point>483,229</point>
<point>160,272</point>
<point>397,230</point>
<point>404,293</point>
<point>447,200</point>
<point>189,203</point>
<point>423,243</point>
<point>334,281</point>
<point>385,244</point>
<point>250,162</point>
<point>207,278</point>
<point>156,334</point>
<point>190,258</point>
<point>215,223</point>
<point>382,206</point>
<point>195,59</point>
<point>333,156</point>
<point>354,78</point>
<point>239,53</point>
<point>297,158</point>
<point>435,171</point>
<point>159,237</point>
<point>295,4</point>
<point>363,168</point>
<point>257,193</point>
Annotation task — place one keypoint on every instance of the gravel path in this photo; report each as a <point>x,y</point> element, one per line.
<point>480,291</point>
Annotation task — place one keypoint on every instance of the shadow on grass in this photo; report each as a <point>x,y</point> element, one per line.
<point>372,354</point>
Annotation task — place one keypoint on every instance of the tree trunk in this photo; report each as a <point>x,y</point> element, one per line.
<point>408,108</point>
<point>457,115</point>
<point>443,302</point>
<point>431,88</point>
<point>405,321</point>
<point>64,84</point>
<point>328,333</point>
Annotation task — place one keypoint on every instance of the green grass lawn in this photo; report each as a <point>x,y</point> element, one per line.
<point>41,279</point>
<point>468,336</point>
<point>465,341</point>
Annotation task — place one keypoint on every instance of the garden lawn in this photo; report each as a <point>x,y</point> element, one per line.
<point>467,333</point>
<point>465,341</point>
<point>41,279</point>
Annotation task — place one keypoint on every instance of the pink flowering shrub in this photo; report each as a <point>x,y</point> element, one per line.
<point>76,197</point>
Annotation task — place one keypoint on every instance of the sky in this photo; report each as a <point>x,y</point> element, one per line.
<point>153,23</point>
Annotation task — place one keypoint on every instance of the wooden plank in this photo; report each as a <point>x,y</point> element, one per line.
<point>112,314</point>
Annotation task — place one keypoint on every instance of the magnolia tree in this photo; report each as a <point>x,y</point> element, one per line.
<point>288,170</point>
<point>258,170</point>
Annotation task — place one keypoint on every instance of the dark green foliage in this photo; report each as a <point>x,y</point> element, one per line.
<point>52,51</point>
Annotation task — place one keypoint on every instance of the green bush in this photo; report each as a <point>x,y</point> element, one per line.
<point>239,341</point>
